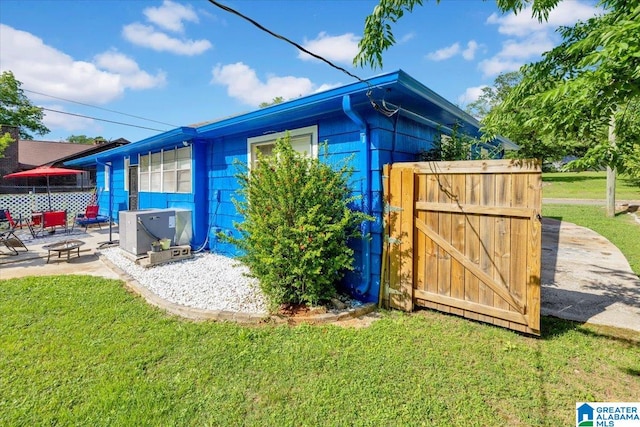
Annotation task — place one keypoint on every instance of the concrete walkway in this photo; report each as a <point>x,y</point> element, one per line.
<point>584,276</point>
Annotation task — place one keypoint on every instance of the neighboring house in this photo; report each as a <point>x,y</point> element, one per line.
<point>25,154</point>
<point>385,119</point>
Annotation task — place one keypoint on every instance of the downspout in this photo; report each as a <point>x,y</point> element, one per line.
<point>365,227</point>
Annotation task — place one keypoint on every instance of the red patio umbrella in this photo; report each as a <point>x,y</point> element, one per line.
<point>45,171</point>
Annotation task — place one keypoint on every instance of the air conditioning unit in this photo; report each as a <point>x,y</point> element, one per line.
<point>139,228</point>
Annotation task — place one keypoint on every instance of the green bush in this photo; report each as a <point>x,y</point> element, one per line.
<point>297,222</point>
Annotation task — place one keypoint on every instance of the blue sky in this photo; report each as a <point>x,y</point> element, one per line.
<point>177,63</point>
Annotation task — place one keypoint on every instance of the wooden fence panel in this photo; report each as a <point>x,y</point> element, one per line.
<point>465,238</point>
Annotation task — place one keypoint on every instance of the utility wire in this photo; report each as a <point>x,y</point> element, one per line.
<point>281,37</point>
<point>383,109</point>
<point>99,108</point>
<point>102,120</point>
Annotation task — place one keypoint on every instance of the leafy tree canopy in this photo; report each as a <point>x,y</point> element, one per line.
<point>378,33</point>
<point>84,139</point>
<point>17,110</point>
<point>276,100</point>
<point>5,140</point>
<point>590,80</point>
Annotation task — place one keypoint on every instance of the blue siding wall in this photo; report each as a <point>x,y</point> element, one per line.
<point>391,140</point>
<point>196,201</point>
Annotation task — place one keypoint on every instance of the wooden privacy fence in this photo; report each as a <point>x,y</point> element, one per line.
<point>464,238</point>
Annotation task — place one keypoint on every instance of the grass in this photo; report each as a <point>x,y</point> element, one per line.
<point>80,350</point>
<point>622,230</point>
<point>585,185</point>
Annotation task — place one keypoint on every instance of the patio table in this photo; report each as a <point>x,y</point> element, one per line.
<point>64,246</point>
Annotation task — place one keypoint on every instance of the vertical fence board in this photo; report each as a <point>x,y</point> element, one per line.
<point>431,249</point>
<point>421,239</point>
<point>472,242</point>
<point>395,194</point>
<point>487,194</point>
<point>444,230</point>
<point>502,249</point>
<point>407,232</point>
<point>534,200</point>
<point>458,223</point>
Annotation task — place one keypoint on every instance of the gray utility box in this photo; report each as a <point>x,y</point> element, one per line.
<point>137,229</point>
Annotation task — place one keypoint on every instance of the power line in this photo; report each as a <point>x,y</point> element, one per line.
<point>99,108</point>
<point>376,105</point>
<point>101,120</point>
<point>281,37</point>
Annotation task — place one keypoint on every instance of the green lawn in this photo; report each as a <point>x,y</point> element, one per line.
<point>80,350</point>
<point>585,185</point>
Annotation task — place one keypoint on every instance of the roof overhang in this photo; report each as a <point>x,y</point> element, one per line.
<point>398,89</point>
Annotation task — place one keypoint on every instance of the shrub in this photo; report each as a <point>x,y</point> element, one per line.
<point>297,222</point>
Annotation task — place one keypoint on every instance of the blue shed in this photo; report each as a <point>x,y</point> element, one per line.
<point>385,119</point>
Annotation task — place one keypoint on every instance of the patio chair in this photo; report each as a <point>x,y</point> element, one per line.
<point>91,217</point>
<point>8,236</point>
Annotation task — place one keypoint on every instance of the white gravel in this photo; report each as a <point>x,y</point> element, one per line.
<point>207,281</point>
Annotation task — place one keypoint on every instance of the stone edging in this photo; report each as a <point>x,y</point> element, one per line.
<point>199,314</point>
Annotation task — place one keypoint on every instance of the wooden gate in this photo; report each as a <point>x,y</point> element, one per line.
<point>464,238</point>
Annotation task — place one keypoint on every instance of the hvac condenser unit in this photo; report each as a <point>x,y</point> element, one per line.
<point>139,228</point>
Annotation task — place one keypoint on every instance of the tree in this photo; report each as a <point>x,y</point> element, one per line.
<point>5,140</point>
<point>574,93</point>
<point>276,100</point>
<point>378,34</point>
<point>515,123</point>
<point>587,89</point>
<point>83,139</point>
<point>17,110</point>
<point>493,96</point>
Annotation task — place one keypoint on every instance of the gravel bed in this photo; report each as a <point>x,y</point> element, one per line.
<point>207,281</point>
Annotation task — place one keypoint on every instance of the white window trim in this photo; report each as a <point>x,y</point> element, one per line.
<point>272,137</point>
<point>107,177</point>
<point>127,163</point>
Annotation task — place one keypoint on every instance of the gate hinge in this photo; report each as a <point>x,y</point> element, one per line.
<point>392,291</point>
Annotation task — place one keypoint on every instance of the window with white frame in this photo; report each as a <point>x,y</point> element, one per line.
<point>167,171</point>
<point>303,140</point>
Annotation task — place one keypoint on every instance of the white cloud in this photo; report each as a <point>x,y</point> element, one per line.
<point>243,84</point>
<point>334,48</point>
<point>531,46</point>
<point>170,15</point>
<point>529,38</point>
<point>444,53</point>
<point>470,52</point>
<point>470,95</point>
<point>497,65</point>
<point>522,24</point>
<point>42,68</point>
<point>45,69</point>
<point>148,36</point>
<point>407,37</point>
<point>129,71</point>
